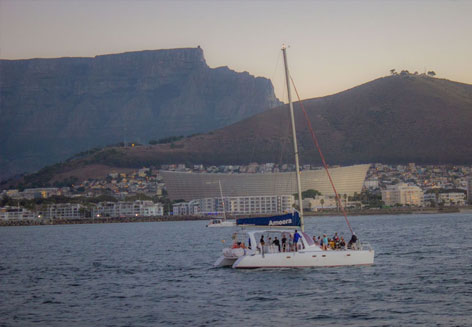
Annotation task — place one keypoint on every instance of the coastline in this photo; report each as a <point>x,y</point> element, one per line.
<point>389,211</point>
<point>326,213</point>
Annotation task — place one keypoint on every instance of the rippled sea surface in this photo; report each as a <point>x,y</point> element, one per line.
<point>161,274</point>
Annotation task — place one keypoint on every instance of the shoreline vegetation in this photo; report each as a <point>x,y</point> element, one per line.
<point>325,213</point>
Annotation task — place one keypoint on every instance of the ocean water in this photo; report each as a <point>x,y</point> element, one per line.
<point>161,274</point>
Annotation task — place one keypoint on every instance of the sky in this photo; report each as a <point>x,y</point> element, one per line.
<point>333,45</point>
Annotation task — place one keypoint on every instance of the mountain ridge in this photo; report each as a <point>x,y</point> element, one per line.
<point>394,119</point>
<point>52,108</point>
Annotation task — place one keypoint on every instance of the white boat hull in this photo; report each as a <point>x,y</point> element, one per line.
<point>223,224</point>
<point>300,259</point>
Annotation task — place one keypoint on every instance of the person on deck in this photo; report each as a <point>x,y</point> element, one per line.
<point>336,237</point>
<point>276,242</point>
<point>262,243</point>
<point>331,243</point>
<point>342,243</point>
<point>296,237</point>
<point>352,242</point>
<point>325,242</point>
<point>284,242</point>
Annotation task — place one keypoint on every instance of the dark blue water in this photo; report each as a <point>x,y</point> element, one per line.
<point>160,274</point>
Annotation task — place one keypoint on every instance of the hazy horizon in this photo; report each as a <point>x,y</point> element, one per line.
<point>333,45</point>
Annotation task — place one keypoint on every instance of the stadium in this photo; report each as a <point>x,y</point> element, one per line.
<point>189,186</point>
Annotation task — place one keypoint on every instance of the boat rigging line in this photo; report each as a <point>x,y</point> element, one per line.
<point>315,141</point>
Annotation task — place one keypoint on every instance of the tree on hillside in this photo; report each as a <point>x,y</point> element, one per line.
<point>393,71</point>
<point>431,73</point>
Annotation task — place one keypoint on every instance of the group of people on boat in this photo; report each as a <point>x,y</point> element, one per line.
<point>335,242</point>
<point>292,242</point>
<point>288,243</point>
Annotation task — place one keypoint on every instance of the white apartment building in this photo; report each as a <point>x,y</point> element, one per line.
<point>402,194</point>
<point>452,199</point>
<point>328,202</point>
<point>16,213</point>
<point>237,205</point>
<point>447,199</point>
<point>191,208</point>
<point>371,183</point>
<point>128,209</point>
<point>430,199</point>
<point>63,211</point>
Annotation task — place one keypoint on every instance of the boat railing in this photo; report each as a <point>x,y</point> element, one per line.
<point>365,246</point>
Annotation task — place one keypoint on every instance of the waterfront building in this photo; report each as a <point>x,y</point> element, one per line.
<point>328,202</point>
<point>402,194</point>
<point>236,205</point>
<point>452,199</point>
<point>63,211</point>
<point>180,209</point>
<point>128,209</point>
<point>189,186</point>
<point>430,199</point>
<point>191,208</point>
<point>16,213</point>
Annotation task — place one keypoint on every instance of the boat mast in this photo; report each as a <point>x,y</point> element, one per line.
<point>294,134</point>
<point>222,200</point>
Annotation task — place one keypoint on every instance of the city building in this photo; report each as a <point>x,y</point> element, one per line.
<point>16,213</point>
<point>37,193</point>
<point>430,199</point>
<point>402,194</point>
<point>371,183</point>
<point>188,186</point>
<point>63,211</point>
<point>452,199</point>
<point>237,205</point>
<point>128,209</point>
<point>328,202</point>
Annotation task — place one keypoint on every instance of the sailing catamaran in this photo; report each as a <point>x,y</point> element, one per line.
<point>221,222</point>
<point>286,247</point>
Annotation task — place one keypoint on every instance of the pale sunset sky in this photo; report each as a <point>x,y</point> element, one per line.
<point>334,45</point>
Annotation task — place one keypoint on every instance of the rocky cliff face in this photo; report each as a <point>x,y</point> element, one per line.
<point>53,108</point>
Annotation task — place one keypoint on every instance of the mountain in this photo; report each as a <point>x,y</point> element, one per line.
<point>51,109</point>
<point>394,119</point>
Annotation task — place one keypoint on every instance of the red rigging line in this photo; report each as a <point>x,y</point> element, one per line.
<point>315,141</point>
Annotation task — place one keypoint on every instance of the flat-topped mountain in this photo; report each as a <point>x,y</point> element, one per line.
<point>395,119</point>
<point>51,109</point>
